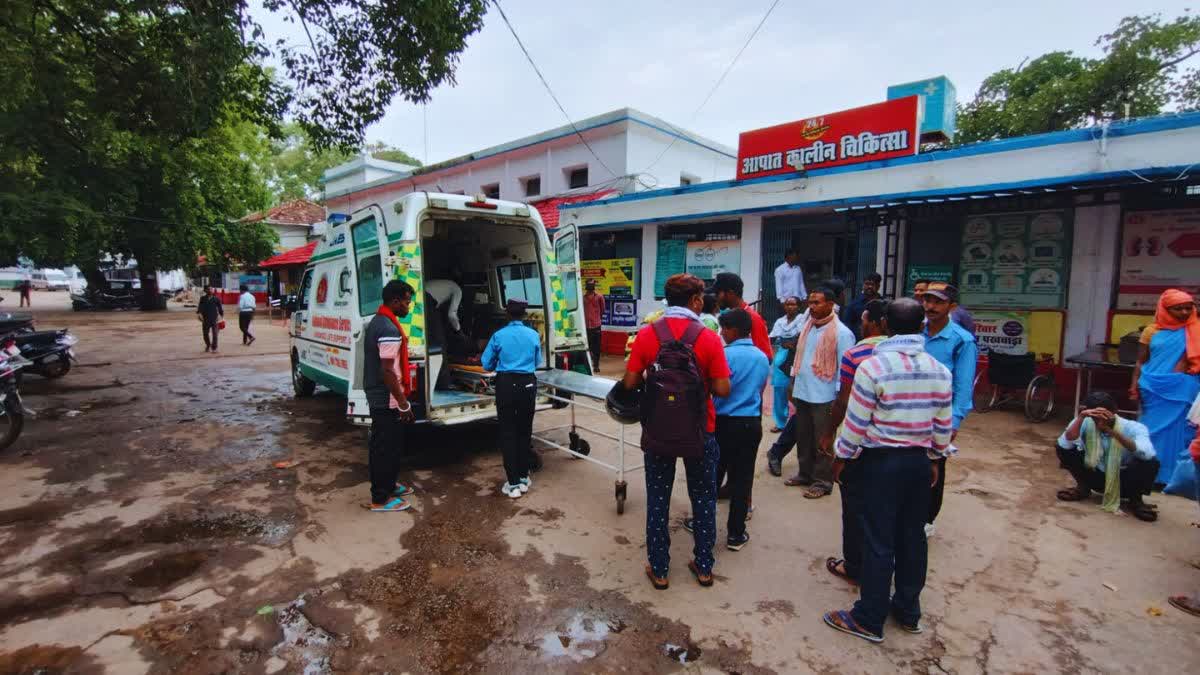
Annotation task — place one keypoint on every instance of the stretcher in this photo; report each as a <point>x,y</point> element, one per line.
<point>569,388</point>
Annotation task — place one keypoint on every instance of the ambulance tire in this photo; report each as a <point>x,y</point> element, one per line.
<point>301,385</point>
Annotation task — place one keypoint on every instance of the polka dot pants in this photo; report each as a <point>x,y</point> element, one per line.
<point>702,490</point>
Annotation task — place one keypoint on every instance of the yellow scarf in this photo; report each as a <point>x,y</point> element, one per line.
<point>1112,467</point>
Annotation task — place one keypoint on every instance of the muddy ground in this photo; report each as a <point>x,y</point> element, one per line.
<point>144,527</point>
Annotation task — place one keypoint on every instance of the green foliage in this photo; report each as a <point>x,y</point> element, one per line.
<point>296,165</point>
<point>1140,73</point>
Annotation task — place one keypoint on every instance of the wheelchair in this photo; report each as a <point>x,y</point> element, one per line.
<point>1022,378</point>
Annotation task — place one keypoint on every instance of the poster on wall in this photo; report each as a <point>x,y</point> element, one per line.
<point>1002,332</point>
<point>1159,250</point>
<point>670,260</point>
<point>620,311</point>
<point>1016,260</point>
<point>707,259</point>
<point>613,276</point>
<point>257,283</point>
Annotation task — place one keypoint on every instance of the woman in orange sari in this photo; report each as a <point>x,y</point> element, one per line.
<point>1166,377</point>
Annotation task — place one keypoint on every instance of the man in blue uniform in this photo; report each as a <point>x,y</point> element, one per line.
<point>513,354</point>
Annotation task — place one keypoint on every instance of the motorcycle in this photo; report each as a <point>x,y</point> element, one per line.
<point>11,322</point>
<point>50,352</point>
<point>12,410</point>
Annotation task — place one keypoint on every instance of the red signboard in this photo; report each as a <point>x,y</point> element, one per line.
<point>880,131</point>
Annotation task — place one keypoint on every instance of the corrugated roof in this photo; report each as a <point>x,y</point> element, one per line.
<point>294,256</point>
<point>549,207</point>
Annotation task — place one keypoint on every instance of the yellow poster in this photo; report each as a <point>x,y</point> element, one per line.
<point>613,276</point>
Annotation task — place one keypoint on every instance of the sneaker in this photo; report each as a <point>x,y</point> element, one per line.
<point>929,530</point>
<point>737,544</point>
<point>688,525</point>
<point>775,466</point>
<point>403,490</point>
<point>394,504</point>
<point>510,490</point>
<point>524,484</point>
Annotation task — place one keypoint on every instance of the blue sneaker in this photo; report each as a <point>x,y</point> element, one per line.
<point>403,490</point>
<point>736,544</point>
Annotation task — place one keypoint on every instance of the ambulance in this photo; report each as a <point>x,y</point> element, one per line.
<point>493,250</point>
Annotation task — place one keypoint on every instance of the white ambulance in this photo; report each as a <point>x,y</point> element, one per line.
<point>494,250</point>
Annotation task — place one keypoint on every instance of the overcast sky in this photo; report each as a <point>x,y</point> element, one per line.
<point>662,57</point>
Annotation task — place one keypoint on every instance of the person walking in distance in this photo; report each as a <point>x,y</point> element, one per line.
<point>246,304</point>
<point>593,314</point>
<point>210,311</point>
<point>387,382</point>
<point>682,365</point>
<point>898,420</point>
<point>739,421</point>
<point>23,290</point>
<point>874,329</point>
<point>814,387</point>
<point>512,353</point>
<point>953,347</point>
<point>789,278</point>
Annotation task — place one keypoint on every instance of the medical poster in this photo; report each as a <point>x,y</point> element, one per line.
<point>1016,260</point>
<point>1159,250</point>
<point>669,261</point>
<point>707,259</point>
<point>613,276</point>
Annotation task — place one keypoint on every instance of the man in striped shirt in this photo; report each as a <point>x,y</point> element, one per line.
<point>900,417</point>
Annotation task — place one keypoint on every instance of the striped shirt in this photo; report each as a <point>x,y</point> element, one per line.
<point>854,357</point>
<point>902,398</point>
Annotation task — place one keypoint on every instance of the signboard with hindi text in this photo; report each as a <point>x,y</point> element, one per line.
<point>1016,260</point>
<point>1159,250</point>
<point>613,276</point>
<point>873,132</point>
<point>1002,332</point>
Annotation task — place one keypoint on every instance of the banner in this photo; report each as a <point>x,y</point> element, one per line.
<point>707,259</point>
<point>620,311</point>
<point>669,262</point>
<point>1159,250</point>
<point>613,276</point>
<point>1017,260</point>
<point>1002,332</point>
<point>879,131</point>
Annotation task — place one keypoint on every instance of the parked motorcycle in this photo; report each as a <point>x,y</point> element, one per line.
<point>11,322</point>
<point>91,300</point>
<point>12,410</point>
<point>50,352</point>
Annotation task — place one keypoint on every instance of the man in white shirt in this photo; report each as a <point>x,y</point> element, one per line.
<point>446,291</point>
<point>246,314</point>
<point>789,278</point>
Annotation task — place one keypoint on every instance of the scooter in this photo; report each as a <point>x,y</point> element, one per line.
<point>49,352</point>
<point>12,410</point>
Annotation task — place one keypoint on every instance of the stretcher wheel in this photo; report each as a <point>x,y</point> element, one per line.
<point>620,494</point>
<point>578,444</point>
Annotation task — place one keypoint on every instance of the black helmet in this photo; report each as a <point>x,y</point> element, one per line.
<point>624,405</point>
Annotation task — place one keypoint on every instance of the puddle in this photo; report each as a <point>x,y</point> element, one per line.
<point>303,643</point>
<point>686,654</point>
<point>175,529</point>
<point>582,638</point>
<point>168,570</point>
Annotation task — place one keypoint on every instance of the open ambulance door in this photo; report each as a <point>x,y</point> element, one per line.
<point>569,344</point>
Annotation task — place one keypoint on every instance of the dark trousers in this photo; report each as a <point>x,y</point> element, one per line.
<point>738,439</point>
<point>937,491</point>
<point>785,441</point>
<point>811,421</point>
<point>702,490</point>
<point>1137,477</point>
<point>595,341</point>
<point>895,501</point>
<point>850,489</point>
<point>516,396</point>
<point>385,448</point>
<point>209,330</point>
<point>244,319</point>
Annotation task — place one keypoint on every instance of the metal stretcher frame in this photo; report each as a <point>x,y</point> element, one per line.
<point>555,383</point>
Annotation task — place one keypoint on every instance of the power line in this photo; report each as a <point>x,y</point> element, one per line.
<point>547,86</point>
<point>716,85</point>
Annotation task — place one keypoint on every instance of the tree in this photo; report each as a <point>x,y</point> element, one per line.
<point>130,127</point>
<point>296,165</point>
<point>1142,72</point>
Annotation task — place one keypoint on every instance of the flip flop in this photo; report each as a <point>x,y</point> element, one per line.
<point>915,628</point>
<point>1073,494</point>
<point>842,621</point>
<point>816,493</point>
<point>660,583</point>
<point>796,481</point>
<point>704,580</point>
<point>831,565</point>
<point>1183,604</point>
<point>1142,512</point>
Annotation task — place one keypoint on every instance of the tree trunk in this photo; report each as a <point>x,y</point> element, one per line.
<point>96,281</point>
<point>151,300</point>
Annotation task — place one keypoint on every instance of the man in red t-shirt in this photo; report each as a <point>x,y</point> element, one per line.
<point>728,287</point>
<point>593,314</point>
<point>685,299</point>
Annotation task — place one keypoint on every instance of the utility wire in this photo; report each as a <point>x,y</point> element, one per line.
<point>547,86</point>
<point>715,86</point>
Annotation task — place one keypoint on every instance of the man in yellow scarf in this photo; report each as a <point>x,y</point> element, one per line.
<point>1111,455</point>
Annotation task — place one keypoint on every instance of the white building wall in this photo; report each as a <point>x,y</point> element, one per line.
<point>683,157</point>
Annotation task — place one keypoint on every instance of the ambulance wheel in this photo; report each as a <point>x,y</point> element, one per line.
<point>301,385</point>
<point>620,494</point>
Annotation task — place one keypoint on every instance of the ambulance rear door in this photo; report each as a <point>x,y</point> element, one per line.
<point>569,334</point>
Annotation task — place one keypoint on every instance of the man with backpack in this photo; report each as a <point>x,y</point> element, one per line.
<point>682,366</point>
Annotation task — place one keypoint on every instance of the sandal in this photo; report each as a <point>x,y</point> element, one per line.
<point>1141,511</point>
<point>660,583</point>
<point>817,492</point>
<point>705,580</point>
<point>1074,494</point>
<point>841,620</point>
<point>797,481</point>
<point>914,628</point>
<point>1185,603</point>
<point>832,565</point>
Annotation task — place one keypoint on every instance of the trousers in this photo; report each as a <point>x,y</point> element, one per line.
<point>937,491</point>
<point>850,490</point>
<point>895,501</point>
<point>210,331</point>
<point>702,490</point>
<point>595,339</point>
<point>811,421</point>
<point>516,397</point>
<point>738,439</point>
<point>385,448</point>
<point>244,319</point>
<point>1137,477</point>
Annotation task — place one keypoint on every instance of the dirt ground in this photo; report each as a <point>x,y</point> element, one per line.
<point>144,527</point>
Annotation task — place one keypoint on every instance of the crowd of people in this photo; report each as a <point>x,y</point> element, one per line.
<point>871,393</point>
